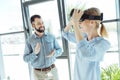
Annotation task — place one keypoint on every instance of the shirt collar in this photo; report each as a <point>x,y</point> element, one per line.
<point>94,39</point>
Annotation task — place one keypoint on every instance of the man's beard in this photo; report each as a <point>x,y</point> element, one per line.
<point>40,30</point>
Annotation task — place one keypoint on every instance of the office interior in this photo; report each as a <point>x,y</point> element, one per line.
<point>16,28</point>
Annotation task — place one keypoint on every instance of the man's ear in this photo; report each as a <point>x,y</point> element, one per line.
<point>33,25</point>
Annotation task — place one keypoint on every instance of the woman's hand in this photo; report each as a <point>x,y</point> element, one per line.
<point>77,14</point>
<point>75,19</point>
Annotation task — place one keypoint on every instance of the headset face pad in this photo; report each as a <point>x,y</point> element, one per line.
<point>91,17</point>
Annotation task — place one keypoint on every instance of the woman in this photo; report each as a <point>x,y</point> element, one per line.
<point>91,45</point>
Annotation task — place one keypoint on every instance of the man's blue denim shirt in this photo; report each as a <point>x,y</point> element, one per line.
<point>47,43</point>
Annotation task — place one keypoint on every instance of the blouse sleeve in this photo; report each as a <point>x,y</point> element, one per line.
<point>92,52</point>
<point>69,36</point>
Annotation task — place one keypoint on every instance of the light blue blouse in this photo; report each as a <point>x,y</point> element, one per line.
<point>88,56</point>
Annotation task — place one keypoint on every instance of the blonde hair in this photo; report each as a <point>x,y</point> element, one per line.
<point>96,12</point>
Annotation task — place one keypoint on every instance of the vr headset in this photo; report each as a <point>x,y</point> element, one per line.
<point>86,16</point>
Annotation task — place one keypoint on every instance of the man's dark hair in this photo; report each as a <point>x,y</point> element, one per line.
<point>33,17</point>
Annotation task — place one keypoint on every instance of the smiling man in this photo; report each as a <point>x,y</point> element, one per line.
<point>41,51</point>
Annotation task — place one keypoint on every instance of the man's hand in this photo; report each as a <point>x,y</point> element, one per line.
<point>51,54</point>
<point>37,48</point>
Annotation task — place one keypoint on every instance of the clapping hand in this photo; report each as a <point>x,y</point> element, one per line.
<point>37,48</point>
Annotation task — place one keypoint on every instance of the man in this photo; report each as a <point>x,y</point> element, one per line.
<point>41,51</point>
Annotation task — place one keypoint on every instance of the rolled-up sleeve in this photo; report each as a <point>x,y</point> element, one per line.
<point>58,49</point>
<point>29,55</point>
<point>69,36</point>
<point>92,52</point>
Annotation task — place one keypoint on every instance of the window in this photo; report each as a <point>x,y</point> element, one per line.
<point>12,41</point>
<point>10,16</point>
<point>50,17</point>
